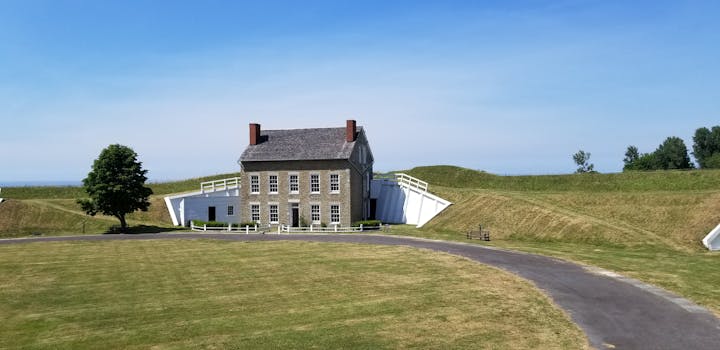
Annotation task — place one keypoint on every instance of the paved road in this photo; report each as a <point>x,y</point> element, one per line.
<point>614,312</point>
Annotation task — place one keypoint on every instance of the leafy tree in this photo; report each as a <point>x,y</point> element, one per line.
<point>116,185</point>
<point>673,154</point>
<point>706,143</point>
<point>713,162</point>
<point>631,156</point>
<point>647,161</point>
<point>582,159</point>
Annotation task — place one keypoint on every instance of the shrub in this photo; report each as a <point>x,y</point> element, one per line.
<point>370,223</point>
<point>210,223</point>
<point>247,223</point>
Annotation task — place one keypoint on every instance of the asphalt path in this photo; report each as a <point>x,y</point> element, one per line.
<point>614,311</point>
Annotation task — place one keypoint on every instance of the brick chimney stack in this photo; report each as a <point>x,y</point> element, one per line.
<point>350,131</point>
<point>254,134</point>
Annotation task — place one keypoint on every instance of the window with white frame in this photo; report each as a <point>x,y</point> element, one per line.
<point>335,214</point>
<point>254,184</point>
<point>294,184</point>
<point>315,213</point>
<point>334,183</point>
<point>273,184</point>
<point>274,218</point>
<point>231,210</point>
<point>314,183</point>
<point>255,213</point>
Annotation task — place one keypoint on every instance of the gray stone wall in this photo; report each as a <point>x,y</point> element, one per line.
<point>284,199</point>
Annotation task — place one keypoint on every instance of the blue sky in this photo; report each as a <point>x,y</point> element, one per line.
<point>506,87</point>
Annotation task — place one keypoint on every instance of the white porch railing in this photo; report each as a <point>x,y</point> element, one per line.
<point>220,185</point>
<point>230,228</point>
<point>405,180</point>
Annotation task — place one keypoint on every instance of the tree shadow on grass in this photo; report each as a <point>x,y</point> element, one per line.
<point>142,229</point>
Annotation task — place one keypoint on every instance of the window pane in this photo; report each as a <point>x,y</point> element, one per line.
<point>255,213</point>
<point>315,213</point>
<point>274,214</point>
<point>254,184</point>
<point>315,183</point>
<point>334,214</point>
<point>273,188</point>
<point>334,183</point>
<point>294,185</point>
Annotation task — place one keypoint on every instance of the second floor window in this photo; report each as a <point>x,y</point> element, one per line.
<point>273,184</point>
<point>294,184</point>
<point>254,184</point>
<point>314,183</point>
<point>334,183</point>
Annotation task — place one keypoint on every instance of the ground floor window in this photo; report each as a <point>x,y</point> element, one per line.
<point>335,214</point>
<point>231,210</point>
<point>274,218</point>
<point>315,213</point>
<point>255,213</point>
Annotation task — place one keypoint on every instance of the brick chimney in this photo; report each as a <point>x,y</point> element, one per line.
<point>254,134</point>
<point>350,131</point>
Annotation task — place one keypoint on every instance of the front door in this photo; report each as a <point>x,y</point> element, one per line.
<point>295,212</point>
<point>211,213</point>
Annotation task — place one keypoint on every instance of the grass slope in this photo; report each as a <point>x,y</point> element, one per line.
<point>52,210</point>
<point>210,294</point>
<point>644,225</point>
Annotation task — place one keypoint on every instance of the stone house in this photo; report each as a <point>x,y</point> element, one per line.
<point>300,177</point>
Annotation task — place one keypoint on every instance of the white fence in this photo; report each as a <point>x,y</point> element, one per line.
<point>229,228</point>
<point>333,228</point>
<point>406,180</point>
<point>220,185</point>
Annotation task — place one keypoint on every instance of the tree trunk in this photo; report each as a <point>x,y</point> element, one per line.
<point>123,223</point>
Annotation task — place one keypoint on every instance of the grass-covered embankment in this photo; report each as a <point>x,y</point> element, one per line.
<point>210,294</point>
<point>52,210</point>
<point>644,225</point>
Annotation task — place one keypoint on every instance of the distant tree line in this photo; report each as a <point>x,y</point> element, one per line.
<point>673,154</point>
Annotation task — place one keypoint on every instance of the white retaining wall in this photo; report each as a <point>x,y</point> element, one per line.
<point>712,240</point>
<point>194,206</point>
<point>400,204</point>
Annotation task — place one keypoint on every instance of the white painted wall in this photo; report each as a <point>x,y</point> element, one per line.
<point>404,204</point>
<point>189,206</point>
<point>712,240</point>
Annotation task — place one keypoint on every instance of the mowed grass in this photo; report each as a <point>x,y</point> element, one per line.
<point>52,210</point>
<point>645,225</point>
<point>209,294</point>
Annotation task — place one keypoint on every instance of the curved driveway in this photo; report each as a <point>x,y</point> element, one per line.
<point>614,312</point>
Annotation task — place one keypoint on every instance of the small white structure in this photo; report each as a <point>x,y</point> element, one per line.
<point>404,199</point>
<point>216,201</point>
<point>712,240</point>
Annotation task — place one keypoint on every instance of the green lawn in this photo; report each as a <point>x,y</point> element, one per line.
<point>694,275</point>
<point>210,294</point>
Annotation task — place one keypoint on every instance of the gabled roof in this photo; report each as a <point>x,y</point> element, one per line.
<point>300,144</point>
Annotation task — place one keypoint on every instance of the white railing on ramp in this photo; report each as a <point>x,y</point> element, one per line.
<point>220,185</point>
